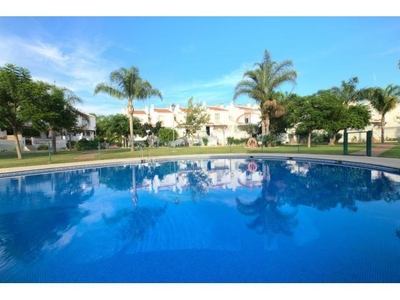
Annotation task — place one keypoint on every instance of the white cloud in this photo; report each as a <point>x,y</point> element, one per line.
<point>79,66</point>
<point>216,90</point>
<point>45,52</point>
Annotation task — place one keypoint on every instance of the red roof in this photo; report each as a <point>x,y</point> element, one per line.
<point>216,108</point>
<point>245,107</point>
<point>162,110</point>
<point>139,112</point>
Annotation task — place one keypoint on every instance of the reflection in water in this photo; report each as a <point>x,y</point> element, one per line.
<point>129,203</point>
<point>269,217</point>
<point>133,224</point>
<point>32,213</point>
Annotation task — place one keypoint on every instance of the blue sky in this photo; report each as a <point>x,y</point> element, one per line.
<point>200,56</point>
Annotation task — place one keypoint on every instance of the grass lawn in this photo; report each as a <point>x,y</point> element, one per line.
<point>392,153</point>
<point>9,159</point>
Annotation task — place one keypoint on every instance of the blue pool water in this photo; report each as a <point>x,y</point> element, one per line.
<point>227,220</point>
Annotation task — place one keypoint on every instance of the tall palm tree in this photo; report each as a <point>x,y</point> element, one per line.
<point>348,91</point>
<point>261,83</point>
<point>383,101</point>
<point>130,86</point>
<point>68,115</point>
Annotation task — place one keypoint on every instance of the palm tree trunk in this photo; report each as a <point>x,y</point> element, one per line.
<point>383,129</point>
<point>267,122</point>
<point>132,139</point>
<point>309,140</point>
<point>130,111</point>
<point>265,125</point>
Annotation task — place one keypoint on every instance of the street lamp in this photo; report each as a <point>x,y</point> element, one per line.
<point>173,122</point>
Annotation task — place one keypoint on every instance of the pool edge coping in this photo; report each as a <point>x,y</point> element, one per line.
<point>384,164</point>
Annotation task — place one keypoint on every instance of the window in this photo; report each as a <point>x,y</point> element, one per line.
<point>217,118</point>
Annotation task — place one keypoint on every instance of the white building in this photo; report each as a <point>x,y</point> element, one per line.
<point>87,130</point>
<point>223,123</point>
<point>225,119</point>
<point>392,127</point>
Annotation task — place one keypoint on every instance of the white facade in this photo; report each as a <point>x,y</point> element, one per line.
<point>223,123</point>
<point>392,127</point>
<point>89,129</point>
<point>225,119</point>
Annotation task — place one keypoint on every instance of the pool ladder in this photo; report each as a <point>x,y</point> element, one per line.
<point>142,158</point>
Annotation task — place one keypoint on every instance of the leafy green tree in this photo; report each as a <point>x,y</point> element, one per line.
<point>383,101</point>
<point>118,127</point>
<point>102,124</point>
<point>127,84</point>
<point>313,112</point>
<point>152,129</point>
<point>15,88</point>
<point>343,116</point>
<point>167,135</point>
<point>249,128</point>
<point>196,117</point>
<point>261,83</point>
<point>52,108</point>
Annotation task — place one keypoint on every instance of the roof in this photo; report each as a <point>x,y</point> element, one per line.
<point>162,110</point>
<point>139,112</point>
<point>216,108</point>
<point>245,107</point>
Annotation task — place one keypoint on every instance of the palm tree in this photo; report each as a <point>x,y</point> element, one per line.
<point>67,115</point>
<point>261,83</point>
<point>347,91</point>
<point>383,101</point>
<point>130,86</point>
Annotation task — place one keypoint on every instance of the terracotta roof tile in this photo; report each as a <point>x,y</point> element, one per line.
<point>139,112</point>
<point>162,110</point>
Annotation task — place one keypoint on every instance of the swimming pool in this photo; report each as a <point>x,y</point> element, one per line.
<point>206,220</point>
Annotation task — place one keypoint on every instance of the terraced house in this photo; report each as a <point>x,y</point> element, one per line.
<point>223,123</point>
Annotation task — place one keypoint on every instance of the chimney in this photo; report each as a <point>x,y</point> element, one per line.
<point>221,105</point>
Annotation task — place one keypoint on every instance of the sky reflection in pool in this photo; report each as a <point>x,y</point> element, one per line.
<point>206,220</point>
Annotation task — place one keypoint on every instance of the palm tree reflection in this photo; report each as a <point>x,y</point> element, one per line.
<point>133,224</point>
<point>270,218</point>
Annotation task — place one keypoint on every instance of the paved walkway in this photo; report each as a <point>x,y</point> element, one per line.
<point>376,150</point>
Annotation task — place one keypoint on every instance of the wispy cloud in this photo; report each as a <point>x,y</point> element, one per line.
<point>390,51</point>
<point>215,90</point>
<point>45,52</point>
<point>77,66</point>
